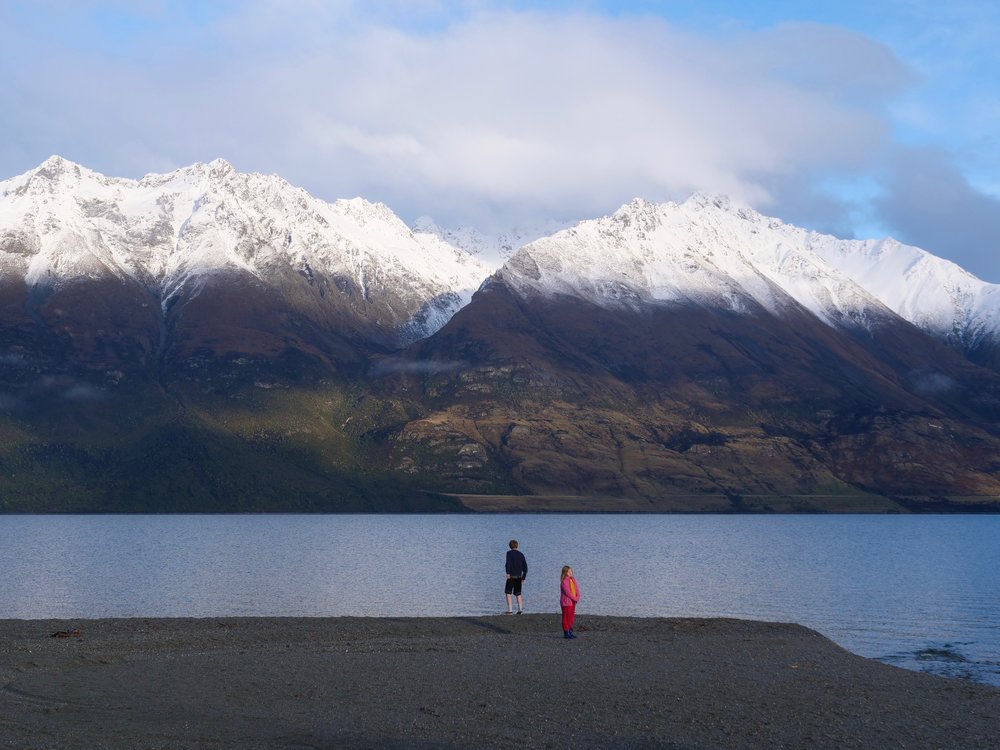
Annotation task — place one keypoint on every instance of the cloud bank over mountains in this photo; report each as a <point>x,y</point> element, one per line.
<point>477,114</point>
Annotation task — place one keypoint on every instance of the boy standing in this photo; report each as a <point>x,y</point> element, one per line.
<point>517,571</point>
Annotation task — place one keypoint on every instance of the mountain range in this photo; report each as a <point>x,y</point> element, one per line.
<point>213,340</point>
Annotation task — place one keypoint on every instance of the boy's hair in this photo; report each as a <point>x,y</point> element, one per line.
<point>513,544</point>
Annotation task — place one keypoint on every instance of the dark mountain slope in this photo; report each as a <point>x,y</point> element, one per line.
<point>572,397</point>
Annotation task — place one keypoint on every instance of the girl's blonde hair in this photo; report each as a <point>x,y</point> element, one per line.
<point>565,572</point>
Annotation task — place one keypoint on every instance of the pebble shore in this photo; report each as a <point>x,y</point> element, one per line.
<point>467,682</point>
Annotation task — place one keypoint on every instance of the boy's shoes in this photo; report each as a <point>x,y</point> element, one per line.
<point>509,612</point>
<point>520,611</point>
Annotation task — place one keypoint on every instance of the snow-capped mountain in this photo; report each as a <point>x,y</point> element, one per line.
<point>171,233</point>
<point>710,252</point>
<point>934,294</point>
<point>697,346</point>
<point>491,249</point>
<point>209,339</point>
<point>700,252</point>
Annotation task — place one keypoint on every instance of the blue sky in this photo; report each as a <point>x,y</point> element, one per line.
<point>856,118</point>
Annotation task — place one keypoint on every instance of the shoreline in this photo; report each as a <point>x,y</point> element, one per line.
<point>720,504</point>
<point>707,504</point>
<point>467,682</point>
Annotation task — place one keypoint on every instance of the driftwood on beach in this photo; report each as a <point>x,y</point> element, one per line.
<point>467,682</point>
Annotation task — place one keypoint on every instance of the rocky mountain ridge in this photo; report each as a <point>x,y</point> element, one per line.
<point>169,232</point>
<point>710,251</point>
<point>211,340</point>
<point>62,223</point>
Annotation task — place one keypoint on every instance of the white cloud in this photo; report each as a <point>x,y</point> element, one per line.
<point>497,118</point>
<point>570,114</point>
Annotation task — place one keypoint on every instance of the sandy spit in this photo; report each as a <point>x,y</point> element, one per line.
<point>467,682</point>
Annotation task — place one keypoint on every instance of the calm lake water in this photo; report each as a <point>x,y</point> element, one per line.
<point>922,592</point>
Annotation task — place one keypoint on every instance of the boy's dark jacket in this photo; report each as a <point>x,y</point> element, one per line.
<point>517,566</point>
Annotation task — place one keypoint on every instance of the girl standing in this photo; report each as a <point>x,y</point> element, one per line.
<point>569,596</point>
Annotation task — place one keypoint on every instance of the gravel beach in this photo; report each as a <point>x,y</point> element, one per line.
<point>467,682</point>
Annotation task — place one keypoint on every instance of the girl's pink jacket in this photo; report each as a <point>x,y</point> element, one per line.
<point>570,592</point>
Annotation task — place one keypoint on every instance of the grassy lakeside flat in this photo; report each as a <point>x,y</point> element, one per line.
<point>719,503</point>
<point>467,682</point>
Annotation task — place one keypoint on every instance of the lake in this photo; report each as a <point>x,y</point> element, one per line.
<point>922,592</point>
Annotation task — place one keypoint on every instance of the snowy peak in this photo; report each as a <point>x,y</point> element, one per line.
<point>56,168</point>
<point>704,252</point>
<point>932,293</point>
<point>711,251</point>
<point>492,249</point>
<point>53,175</point>
<point>61,223</point>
